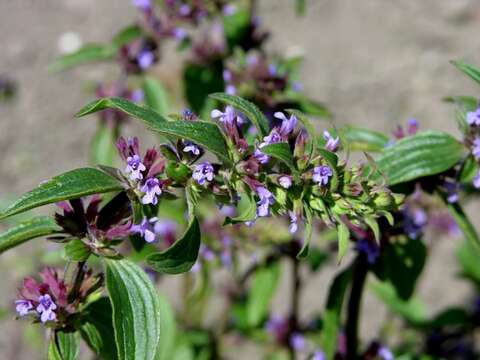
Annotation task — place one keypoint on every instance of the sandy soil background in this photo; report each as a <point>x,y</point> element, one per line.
<point>375,63</point>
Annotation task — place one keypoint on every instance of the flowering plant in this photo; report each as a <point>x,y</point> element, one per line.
<point>243,182</point>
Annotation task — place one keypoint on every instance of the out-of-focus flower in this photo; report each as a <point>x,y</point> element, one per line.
<point>266,199</point>
<point>146,229</point>
<point>332,143</point>
<point>285,181</point>
<point>293,227</point>
<point>476,180</point>
<point>369,248</point>
<point>473,117</point>
<point>297,342</point>
<point>476,148</point>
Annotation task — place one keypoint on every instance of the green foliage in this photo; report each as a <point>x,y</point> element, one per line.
<point>332,316</point>
<point>427,153</point>
<point>360,139</point>
<point>76,250</point>
<point>155,95</point>
<point>246,107</point>
<point>70,185</point>
<point>203,133</point>
<point>102,148</point>
<point>263,284</point>
<point>181,256</point>
<point>63,346</point>
<point>401,265</point>
<point>282,152</point>
<point>469,70</point>
<point>136,310</point>
<point>168,331</point>
<point>199,81</point>
<point>27,230</point>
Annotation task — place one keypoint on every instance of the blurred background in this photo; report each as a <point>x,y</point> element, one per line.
<point>375,63</point>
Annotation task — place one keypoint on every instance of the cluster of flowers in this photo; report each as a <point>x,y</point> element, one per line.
<point>52,301</point>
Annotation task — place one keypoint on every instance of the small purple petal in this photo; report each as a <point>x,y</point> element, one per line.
<point>322,174</point>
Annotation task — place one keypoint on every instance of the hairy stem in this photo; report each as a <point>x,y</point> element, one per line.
<point>354,303</point>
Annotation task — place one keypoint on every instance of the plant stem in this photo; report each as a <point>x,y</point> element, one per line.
<point>295,302</point>
<point>351,329</point>
<point>78,281</point>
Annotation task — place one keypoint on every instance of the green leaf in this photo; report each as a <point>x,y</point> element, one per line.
<point>332,316</point>
<point>76,250</point>
<point>263,284</point>
<point>412,310</point>
<point>300,6</point>
<point>126,35</point>
<point>467,257</point>
<point>343,240</point>
<point>249,109</point>
<point>360,139</point>
<point>200,81</point>
<point>373,225</point>
<point>246,209</point>
<point>401,264</point>
<point>98,314</point>
<point>155,95</point>
<point>70,185</point>
<point>88,53</point>
<point>136,310</point>
<point>27,230</point>
<point>464,224</point>
<point>280,151</point>
<point>102,148</point>
<point>311,107</point>
<point>181,256</point>
<point>64,346</point>
<point>166,345</point>
<point>307,233</point>
<point>236,27</point>
<point>203,133</point>
<point>92,337</point>
<point>469,70</point>
<point>427,153</point>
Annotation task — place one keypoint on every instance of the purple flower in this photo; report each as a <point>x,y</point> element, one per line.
<point>145,229</point>
<point>203,172</point>
<point>285,181</point>
<point>332,143</point>
<point>145,59</point>
<point>293,227</point>
<point>412,127</point>
<point>266,199</point>
<point>321,174</point>
<point>141,4</point>
<point>272,69</point>
<point>261,157</point>
<point>23,307</point>
<point>297,341</point>
<point>230,89</point>
<point>384,353</point>
<point>191,147</point>
<point>229,9</point>
<point>288,124</point>
<point>152,189</point>
<point>272,138</point>
<point>227,77</point>
<point>226,117</point>
<point>46,308</point>
<point>476,148</point>
<point>318,355</point>
<point>451,189</point>
<point>184,10</point>
<point>369,248</point>
<point>135,167</point>
<point>414,222</point>
<point>137,95</point>
<point>473,117</point>
<point>180,33</point>
<point>476,180</point>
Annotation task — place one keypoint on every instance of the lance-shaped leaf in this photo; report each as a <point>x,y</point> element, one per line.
<point>343,239</point>
<point>263,284</point>
<point>27,230</point>
<point>166,345</point>
<point>155,95</point>
<point>331,318</point>
<point>469,70</point>
<point>249,109</point>
<point>307,233</point>
<point>206,134</point>
<point>136,310</point>
<point>280,151</point>
<point>70,185</point>
<point>246,210</point>
<point>360,139</point>
<point>64,346</point>
<point>88,53</point>
<point>181,256</point>
<point>425,154</point>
